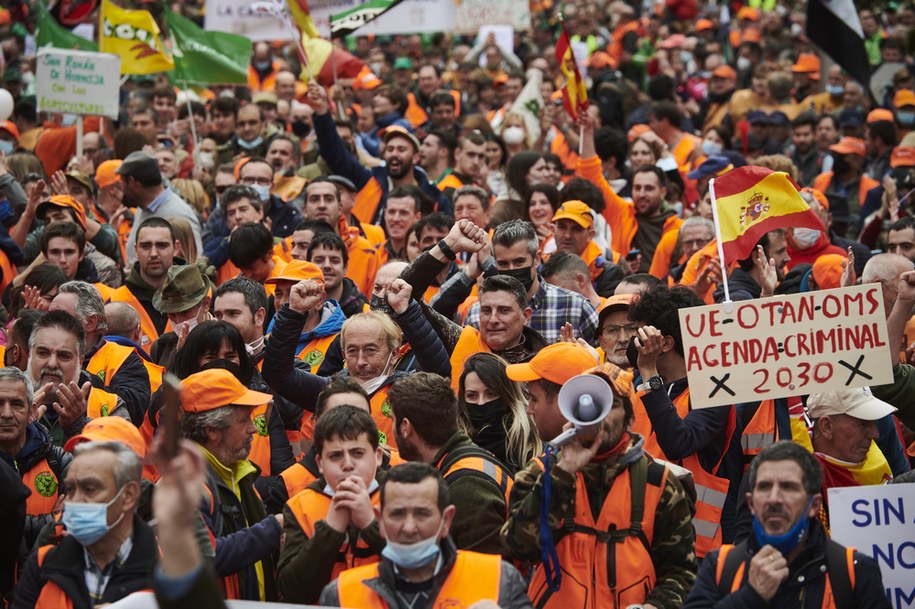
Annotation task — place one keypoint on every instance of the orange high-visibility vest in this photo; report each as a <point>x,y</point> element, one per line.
<point>469,343</point>
<point>711,490</point>
<point>367,200</point>
<point>8,270</point>
<point>104,290</point>
<point>373,233</point>
<point>384,419</point>
<point>471,458</point>
<point>260,443</point>
<point>417,115</point>
<point>52,596</point>
<point>101,403</point>
<point>310,506</point>
<point>106,362</point>
<point>474,577</point>
<point>585,549</point>
<point>45,487</point>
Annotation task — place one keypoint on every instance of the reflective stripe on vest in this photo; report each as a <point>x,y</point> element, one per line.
<point>101,403</point>
<point>469,343</point>
<point>588,559</point>
<point>473,578</point>
<point>310,506</point>
<point>260,443</point>
<point>106,362</point>
<point>711,491</point>
<point>45,487</point>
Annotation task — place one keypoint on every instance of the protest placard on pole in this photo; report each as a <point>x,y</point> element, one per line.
<point>77,82</point>
<point>785,346</point>
<point>471,15</point>
<point>879,521</point>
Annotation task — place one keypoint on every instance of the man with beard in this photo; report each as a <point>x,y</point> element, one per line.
<point>721,86</point>
<point>400,154</point>
<point>757,276</point>
<point>804,153</point>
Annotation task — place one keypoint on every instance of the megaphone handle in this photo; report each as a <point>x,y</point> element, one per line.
<point>564,437</point>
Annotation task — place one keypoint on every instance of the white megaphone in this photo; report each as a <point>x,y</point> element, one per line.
<point>585,401</point>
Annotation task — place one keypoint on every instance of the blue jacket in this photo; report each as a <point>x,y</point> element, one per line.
<point>372,140</point>
<point>341,162</point>
<point>283,220</point>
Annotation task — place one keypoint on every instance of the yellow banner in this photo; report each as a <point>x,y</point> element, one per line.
<point>134,36</point>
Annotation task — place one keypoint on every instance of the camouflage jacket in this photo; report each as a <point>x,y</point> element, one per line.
<point>672,546</point>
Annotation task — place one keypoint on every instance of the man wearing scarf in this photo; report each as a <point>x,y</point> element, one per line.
<point>593,487</point>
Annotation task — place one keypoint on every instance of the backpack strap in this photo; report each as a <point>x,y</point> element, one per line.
<point>638,478</point>
<point>840,565</point>
<point>728,566</point>
<point>472,450</point>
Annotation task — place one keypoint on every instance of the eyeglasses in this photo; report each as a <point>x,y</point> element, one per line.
<point>615,330</point>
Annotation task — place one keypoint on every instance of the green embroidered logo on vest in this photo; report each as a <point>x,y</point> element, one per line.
<point>46,484</point>
<point>314,357</point>
<point>101,375</point>
<point>386,409</point>
<point>382,437</point>
<point>260,423</point>
<point>103,411</point>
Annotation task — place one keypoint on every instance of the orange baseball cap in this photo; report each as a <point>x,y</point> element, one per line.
<point>600,59</point>
<point>612,303</point>
<point>748,12</point>
<point>704,24</point>
<point>577,211</point>
<point>902,156</point>
<point>751,34</point>
<point>110,429</point>
<point>827,271</point>
<point>904,97</point>
<point>807,63</point>
<point>636,130</point>
<point>724,71</point>
<point>366,80</point>
<point>556,363</point>
<point>880,114</point>
<point>850,145</point>
<point>299,270</point>
<point>63,201</point>
<point>212,389</point>
<point>11,128</point>
<point>106,174</point>
<point>818,195</point>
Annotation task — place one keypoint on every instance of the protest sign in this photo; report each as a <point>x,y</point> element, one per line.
<point>878,521</point>
<point>242,17</point>
<point>471,15</point>
<point>785,346</point>
<point>412,17</point>
<point>77,82</point>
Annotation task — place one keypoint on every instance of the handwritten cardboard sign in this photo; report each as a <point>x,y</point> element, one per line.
<point>786,346</point>
<point>878,521</point>
<point>78,82</point>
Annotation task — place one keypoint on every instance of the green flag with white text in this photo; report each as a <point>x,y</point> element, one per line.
<point>204,57</point>
<point>345,23</point>
<point>52,34</point>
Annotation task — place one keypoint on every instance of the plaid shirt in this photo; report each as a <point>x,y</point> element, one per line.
<point>553,307</point>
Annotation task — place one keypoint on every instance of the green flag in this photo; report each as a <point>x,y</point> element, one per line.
<point>345,23</point>
<point>52,34</point>
<point>204,57</point>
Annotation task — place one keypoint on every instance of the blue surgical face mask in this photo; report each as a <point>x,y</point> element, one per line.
<point>6,147</point>
<point>88,522</point>
<point>835,90</point>
<point>710,148</point>
<point>262,191</point>
<point>413,555</point>
<point>789,540</point>
<point>252,144</point>
<point>906,119</point>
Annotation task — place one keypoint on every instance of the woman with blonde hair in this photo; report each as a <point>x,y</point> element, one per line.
<point>493,411</point>
<point>187,246</point>
<point>194,193</point>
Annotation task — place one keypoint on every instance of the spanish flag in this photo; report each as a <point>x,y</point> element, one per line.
<point>751,201</point>
<point>134,36</point>
<point>301,16</point>
<point>574,93</point>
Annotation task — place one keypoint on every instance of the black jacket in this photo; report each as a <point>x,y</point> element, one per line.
<point>352,301</point>
<point>65,566</point>
<point>130,382</point>
<point>741,285</point>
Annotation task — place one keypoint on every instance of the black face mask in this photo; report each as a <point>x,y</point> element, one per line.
<point>224,364</point>
<point>490,413</point>
<point>300,128</point>
<point>840,165</point>
<point>378,303</point>
<point>523,275</point>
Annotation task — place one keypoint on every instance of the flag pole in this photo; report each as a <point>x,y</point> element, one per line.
<point>190,113</point>
<point>728,305</point>
<point>79,136</point>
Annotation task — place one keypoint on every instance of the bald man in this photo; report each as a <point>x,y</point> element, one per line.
<point>123,321</point>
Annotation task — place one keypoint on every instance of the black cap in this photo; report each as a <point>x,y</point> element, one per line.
<point>140,165</point>
<point>344,182</point>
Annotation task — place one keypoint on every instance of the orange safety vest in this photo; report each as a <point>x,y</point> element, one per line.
<point>101,403</point>
<point>260,443</point>
<point>823,181</point>
<point>148,332</point>
<point>711,490</point>
<point>417,115</point>
<point>268,83</point>
<point>384,419</point>
<point>106,362</point>
<point>469,343</point>
<point>615,49</point>
<point>450,181</point>
<point>474,577</point>
<point>8,270</point>
<point>740,576</point>
<point>296,478</point>
<point>374,234</point>
<point>470,458</point>
<point>51,597</point>
<point>761,431</point>
<point>584,549</point>
<point>684,149</point>
<point>155,372</point>
<point>363,263</point>
<point>312,354</point>
<point>367,200</point>
<point>226,272</point>
<point>568,157</point>
<point>104,290</point>
<point>310,506</point>
<point>45,487</point>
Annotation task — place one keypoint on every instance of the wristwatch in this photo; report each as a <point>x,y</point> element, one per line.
<point>655,383</point>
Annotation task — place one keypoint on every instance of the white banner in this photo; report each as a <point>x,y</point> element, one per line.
<point>786,346</point>
<point>78,82</point>
<point>471,15</point>
<point>879,521</point>
<point>409,17</point>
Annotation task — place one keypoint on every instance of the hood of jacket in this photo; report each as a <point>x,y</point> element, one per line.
<point>332,319</point>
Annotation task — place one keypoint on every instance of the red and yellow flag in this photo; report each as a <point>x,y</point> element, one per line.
<point>574,93</point>
<point>752,201</point>
<point>301,16</point>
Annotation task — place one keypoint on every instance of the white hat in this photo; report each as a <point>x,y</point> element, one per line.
<point>857,402</point>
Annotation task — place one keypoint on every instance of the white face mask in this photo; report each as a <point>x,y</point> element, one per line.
<point>252,347</point>
<point>513,135</point>
<point>806,237</point>
<point>372,385</point>
<point>743,63</point>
